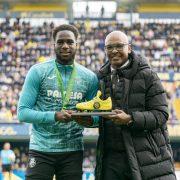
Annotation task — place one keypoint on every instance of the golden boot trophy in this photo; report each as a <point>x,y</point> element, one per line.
<point>96,106</point>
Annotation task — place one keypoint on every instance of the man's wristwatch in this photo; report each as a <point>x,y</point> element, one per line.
<point>130,123</point>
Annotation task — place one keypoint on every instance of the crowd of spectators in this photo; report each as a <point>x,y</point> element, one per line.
<point>22,45</point>
<point>89,159</point>
<point>21,161</point>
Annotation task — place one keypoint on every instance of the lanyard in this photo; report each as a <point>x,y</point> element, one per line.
<point>65,97</point>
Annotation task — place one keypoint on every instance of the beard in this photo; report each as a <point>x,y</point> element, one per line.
<point>66,60</point>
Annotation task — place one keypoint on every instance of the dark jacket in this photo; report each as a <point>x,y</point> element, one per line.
<point>146,140</point>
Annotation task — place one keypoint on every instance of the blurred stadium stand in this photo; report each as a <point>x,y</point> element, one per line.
<point>25,39</point>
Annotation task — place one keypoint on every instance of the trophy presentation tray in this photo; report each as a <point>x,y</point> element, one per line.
<point>92,113</point>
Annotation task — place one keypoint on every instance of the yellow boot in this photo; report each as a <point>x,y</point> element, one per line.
<point>96,104</point>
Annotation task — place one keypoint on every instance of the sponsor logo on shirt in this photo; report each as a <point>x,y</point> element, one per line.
<point>57,94</point>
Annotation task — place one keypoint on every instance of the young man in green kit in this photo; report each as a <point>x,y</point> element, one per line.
<point>48,98</point>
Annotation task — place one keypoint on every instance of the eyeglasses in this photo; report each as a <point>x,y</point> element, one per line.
<point>119,47</point>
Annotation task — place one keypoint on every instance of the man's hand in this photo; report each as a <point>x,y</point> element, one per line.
<point>63,116</point>
<point>120,117</point>
<point>85,121</point>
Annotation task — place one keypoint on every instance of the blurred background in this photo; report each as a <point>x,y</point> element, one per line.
<point>153,28</point>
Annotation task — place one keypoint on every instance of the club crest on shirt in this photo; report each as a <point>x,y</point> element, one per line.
<point>32,162</point>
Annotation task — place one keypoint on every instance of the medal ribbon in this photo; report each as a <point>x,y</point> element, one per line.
<point>65,97</point>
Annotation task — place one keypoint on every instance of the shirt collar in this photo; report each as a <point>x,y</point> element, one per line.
<point>65,66</point>
<point>124,65</point>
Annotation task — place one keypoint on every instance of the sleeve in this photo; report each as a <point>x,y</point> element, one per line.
<point>28,97</point>
<point>156,108</point>
<point>92,91</point>
<point>93,88</point>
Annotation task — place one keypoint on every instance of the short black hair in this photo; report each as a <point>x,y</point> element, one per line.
<point>65,27</point>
